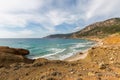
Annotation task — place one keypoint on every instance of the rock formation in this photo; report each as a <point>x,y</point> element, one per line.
<point>13,55</point>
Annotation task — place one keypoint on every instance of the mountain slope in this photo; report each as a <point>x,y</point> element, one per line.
<point>98,30</point>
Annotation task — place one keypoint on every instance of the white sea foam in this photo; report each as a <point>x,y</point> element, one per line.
<point>68,44</point>
<point>54,52</point>
<point>80,45</point>
<point>63,56</point>
<point>77,46</point>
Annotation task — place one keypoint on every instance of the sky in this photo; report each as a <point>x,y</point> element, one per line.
<point>39,18</point>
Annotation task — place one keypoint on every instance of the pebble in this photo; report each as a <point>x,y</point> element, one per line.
<point>79,74</point>
<point>99,78</point>
<point>102,66</point>
<point>56,74</point>
<point>90,74</point>
<point>50,78</point>
<point>80,53</point>
<point>111,59</point>
<point>79,79</point>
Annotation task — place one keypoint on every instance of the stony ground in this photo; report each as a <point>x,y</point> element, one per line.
<point>101,63</point>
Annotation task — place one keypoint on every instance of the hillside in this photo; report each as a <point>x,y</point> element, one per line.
<point>97,30</point>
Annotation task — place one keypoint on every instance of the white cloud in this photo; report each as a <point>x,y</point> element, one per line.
<point>19,5</point>
<point>17,13</point>
<point>15,34</point>
<point>56,17</point>
<point>12,20</point>
<point>25,33</point>
<point>102,8</point>
<point>77,28</point>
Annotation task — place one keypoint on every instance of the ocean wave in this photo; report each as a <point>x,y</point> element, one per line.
<point>67,44</point>
<point>63,55</point>
<point>55,51</point>
<point>78,45</point>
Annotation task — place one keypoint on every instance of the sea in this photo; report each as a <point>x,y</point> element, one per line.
<point>53,49</point>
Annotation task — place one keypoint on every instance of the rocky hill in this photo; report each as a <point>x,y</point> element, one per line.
<point>97,30</point>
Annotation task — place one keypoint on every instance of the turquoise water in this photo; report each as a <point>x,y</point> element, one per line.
<point>49,48</point>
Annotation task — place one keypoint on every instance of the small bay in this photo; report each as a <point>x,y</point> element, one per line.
<point>54,49</point>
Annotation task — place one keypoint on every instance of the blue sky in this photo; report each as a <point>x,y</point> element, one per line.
<point>39,18</point>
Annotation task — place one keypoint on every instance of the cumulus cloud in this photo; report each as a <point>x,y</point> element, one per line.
<point>16,13</point>
<point>103,8</point>
<point>48,14</point>
<point>7,6</point>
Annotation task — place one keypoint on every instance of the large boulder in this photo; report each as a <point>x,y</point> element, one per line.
<point>17,51</point>
<point>40,62</point>
<point>22,52</point>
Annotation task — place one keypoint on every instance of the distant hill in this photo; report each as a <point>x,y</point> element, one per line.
<point>59,36</point>
<point>97,30</point>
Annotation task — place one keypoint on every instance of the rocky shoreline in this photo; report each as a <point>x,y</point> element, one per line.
<point>101,63</point>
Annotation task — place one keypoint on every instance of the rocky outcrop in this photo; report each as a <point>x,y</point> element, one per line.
<point>13,55</point>
<point>16,51</point>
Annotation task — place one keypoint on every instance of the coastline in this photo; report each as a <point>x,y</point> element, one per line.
<point>83,54</point>
<point>77,56</point>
